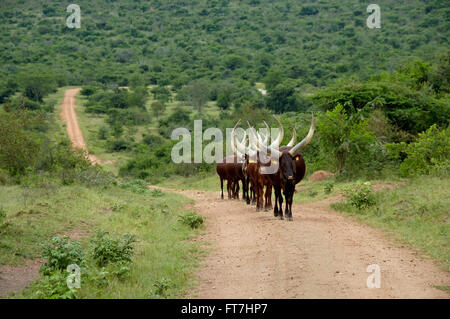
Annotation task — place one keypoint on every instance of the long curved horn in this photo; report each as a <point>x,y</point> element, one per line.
<point>232,143</point>
<point>280,136</point>
<point>253,140</point>
<point>293,139</point>
<point>305,141</point>
<point>239,146</point>
<point>266,139</point>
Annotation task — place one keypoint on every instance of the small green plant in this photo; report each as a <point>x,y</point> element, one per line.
<point>53,286</point>
<point>360,196</point>
<point>191,219</point>
<point>312,193</point>
<point>161,207</point>
<point>156,193</point>
<point>161,286</point>
<point>2,215</point>
<point>60,253</point>
<point>137,186</point>
<point>107,250</point>
<point>328,188</point>
<point>117,207</point>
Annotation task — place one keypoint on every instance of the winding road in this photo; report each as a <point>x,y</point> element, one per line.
<point>69,116</point>
<point>321,254</point>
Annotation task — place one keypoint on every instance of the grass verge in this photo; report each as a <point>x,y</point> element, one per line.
<point>164,257</point>
<point>416,213</point>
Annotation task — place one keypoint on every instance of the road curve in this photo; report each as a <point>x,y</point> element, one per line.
<point>69,116</point>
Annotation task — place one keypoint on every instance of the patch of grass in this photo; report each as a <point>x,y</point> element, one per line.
<point>34,215</point>
<point>416,213</point>
<point>207,182</point>
<point>444,288</point>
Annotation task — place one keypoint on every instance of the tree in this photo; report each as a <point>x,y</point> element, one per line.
<point>161,93</point>
<point>158,108</point>
<point>284,98</point>
<point>37,83</point>
<point>197,93</point>
<point>18,148</point>
<point>138,97</point>
<point>345,138</point>
<point>273,78</point>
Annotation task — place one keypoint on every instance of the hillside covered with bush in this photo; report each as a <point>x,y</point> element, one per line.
<point>174,42</point>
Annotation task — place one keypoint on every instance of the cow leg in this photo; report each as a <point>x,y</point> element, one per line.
<point>237,189</point>
<point>270,196</point>
<point>268,203</point>
<point>247,182</point>
<point>289,204</point>
<point>259,197</point>
<point>288,196</point>
<point>280,212</point>
<point>221,186</point>
<point>253,194</point>
<point>275,208</point>
<point>229,186</point>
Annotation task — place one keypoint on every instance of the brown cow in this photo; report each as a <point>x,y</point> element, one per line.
<point>290,172</point>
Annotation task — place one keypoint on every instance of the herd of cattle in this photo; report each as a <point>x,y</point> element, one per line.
<point>258,165</point>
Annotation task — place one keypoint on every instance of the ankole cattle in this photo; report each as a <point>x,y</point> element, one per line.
<point>266,166</point>
<point>290,172</point>
<point>231,169</point>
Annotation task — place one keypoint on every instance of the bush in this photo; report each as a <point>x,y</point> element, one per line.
<point>2,217</point>
<point>161,286</point>
<point>137,186</point>
<point>102,133</point>
<point>191,219</point>
<point>60,253</point>
<point>118,145</point>
<point>106,250</point>
<point>88,90</point>
<point>430,153</point>
<point>347,139</point>
<point>360,196</point>
<point>328,188</point>
<point>53,286</point>
<point>18,146</point>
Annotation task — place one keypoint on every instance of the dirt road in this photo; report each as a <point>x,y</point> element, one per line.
<point>73,129</point>
<point>321,254</point>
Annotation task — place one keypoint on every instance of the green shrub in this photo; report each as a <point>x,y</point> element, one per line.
<point>360,196</point>
<point>156,193</point>
<point>161,286</point>
<point>102,133</point>
<point>328,188</point>
<point>106,250</point>
<point>312,193</point>
<point>118,145</point>
<point>346,139</point>
<point>60,253</point>
<point>53,286</point>
<point>191,219</point>
<point>430,153</point>
<point>138,186</point>
<point>2,218</point>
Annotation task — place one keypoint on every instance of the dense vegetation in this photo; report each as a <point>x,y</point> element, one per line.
<point>380,99</point>
<point>175,42</point>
